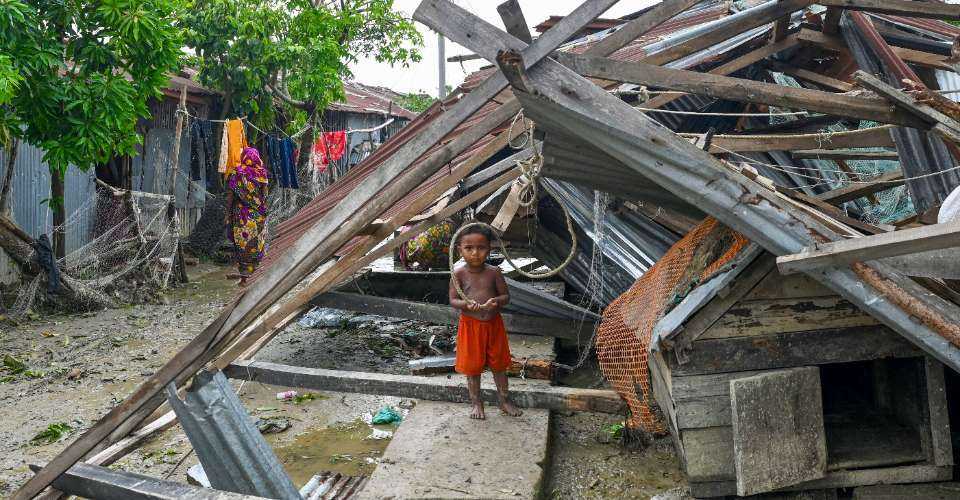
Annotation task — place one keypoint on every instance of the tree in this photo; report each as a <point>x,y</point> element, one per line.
<point>76,76</point>
<point>417,102</point>
<point>289,58</point>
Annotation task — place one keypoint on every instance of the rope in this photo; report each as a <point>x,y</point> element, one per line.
<point>527,197</point>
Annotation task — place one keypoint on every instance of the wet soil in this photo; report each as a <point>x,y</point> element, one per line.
<point>87,364</point>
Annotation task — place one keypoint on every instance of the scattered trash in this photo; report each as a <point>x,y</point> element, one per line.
<point>337,458</point>
<point>52,434</point>
<point>74,374</point>
<point>286,395</point>
<point>272,425</point>
<point>323,317</point>
<point>407,404</point>
<point>378,434</point>
<point>386,415</point>
<point>303,398</point>
<point>47,333</point>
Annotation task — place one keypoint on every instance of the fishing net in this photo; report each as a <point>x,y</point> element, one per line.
<point>132,251</point>
<point>623,338</point>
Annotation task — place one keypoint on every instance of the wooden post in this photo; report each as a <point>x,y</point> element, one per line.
<point>179,268</point>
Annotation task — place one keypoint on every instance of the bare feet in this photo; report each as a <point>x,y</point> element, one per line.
<point>477,412</point>
<point>508,408</point>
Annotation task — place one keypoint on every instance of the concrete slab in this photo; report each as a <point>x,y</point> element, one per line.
<point>439,452</point>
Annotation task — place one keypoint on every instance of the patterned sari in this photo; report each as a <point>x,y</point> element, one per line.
<point>248,213</point>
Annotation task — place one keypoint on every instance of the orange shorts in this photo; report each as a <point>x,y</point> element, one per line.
<point>482,344</point>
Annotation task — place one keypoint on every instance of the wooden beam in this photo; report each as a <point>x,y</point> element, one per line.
<point>943,125</point>
<point>92,481</point>
<point>733,66</point>
<point>446,315</point>
<point>917,57</point>
<point>854,191</point>
<point>835,345</point>
<point>513,20</point>
<point>831,21</point>
<point>863,138</point>
<point>844,154</point>
<point>813,77</point>
<point>780,27</point>
<point>372,196</point>
<point>908,8</point>
<point>878,246</point>
<point>453,390</point>
<point>736,89</point>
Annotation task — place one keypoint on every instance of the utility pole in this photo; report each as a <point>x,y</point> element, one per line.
<point>442,66</point>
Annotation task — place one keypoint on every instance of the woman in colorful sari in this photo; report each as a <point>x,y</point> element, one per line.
<point>246,212</point>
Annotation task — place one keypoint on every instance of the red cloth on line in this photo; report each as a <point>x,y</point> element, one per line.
<point>329,147</point>
<point>482,344</point>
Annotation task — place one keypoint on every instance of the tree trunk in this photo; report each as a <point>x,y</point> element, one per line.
<point>59,215</point>
<point>8,177</point>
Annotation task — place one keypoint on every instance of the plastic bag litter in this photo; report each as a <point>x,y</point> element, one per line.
<point>386,415</point>
<point>323,317</point>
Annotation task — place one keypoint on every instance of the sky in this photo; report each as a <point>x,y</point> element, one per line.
<point>423,75</point>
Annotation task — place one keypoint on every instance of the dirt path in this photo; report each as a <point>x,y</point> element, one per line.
<point>81,366</point>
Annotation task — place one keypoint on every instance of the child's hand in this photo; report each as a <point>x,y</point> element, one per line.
<point>473,306</point>
<point>489,305</point>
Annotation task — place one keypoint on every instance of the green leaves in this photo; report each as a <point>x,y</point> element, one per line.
<point>300,46</point>
<point>83,72</point>
<point>52,434</point>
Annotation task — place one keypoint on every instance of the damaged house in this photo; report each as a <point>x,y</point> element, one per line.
<point>746,193</point>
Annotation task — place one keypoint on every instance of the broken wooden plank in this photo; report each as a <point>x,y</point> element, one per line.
<point>513,20</point>
<point>863,138</point>
<point>907,8</point>
<point>946,127</point>
<point>92,481</point>
<point>878,246</point>
<point>844,155</point>
<point>732,66</point>
<point>429,388</point>
<point>854,191</point>
<point>778,430</point>
<point>765,316</point>
<point>446,315</point>
<point>813,77</point>
<point>735,89</point>
<point>783,350</point>
<point>917,57</point>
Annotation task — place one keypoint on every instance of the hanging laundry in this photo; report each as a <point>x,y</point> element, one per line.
<point>329,148</point>
<point>283,161</point>
<point>236,141</point>
<point>201,140</point>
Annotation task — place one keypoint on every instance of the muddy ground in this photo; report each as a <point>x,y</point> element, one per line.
<point>76,368</point>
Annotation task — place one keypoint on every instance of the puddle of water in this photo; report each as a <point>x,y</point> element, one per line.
<point>339,448</point>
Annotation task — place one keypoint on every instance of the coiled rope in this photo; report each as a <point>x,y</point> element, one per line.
<point>527,196</point>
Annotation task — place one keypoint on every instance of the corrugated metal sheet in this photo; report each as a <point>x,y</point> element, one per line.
<point>234,455</point>
<point>920,153</point>
<point>31,185</point>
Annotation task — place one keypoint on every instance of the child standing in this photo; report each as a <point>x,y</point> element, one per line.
<point>481,337</point>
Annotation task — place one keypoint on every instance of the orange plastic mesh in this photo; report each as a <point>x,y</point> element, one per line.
<point>624,334</point>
